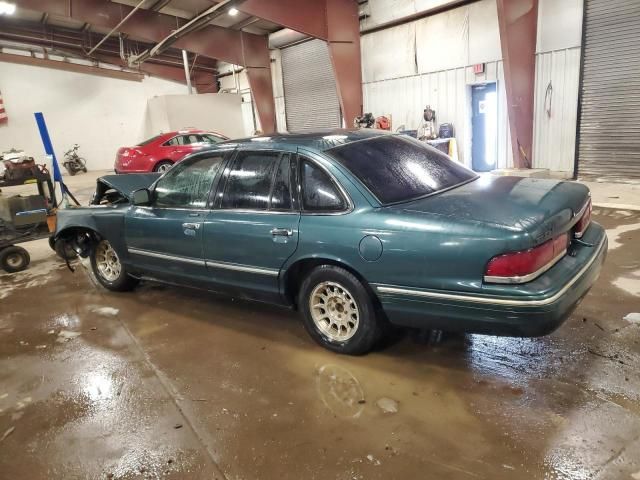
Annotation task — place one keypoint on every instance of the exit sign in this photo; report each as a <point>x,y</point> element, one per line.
<point>478,68</point>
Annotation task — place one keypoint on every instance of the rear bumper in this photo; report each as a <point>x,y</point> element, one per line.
<point>526,316</point>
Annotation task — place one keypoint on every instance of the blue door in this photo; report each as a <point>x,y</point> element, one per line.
<point>253,229</point>
<point>484,126</point>
<point>164,239</point>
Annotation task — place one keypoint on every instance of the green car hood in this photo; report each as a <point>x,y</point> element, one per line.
<point>128,183</point>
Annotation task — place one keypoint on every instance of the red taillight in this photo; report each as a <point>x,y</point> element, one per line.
<point>583,223</point>
<point>524,266</point>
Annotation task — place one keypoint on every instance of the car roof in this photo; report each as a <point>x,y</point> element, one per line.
<point>319,140</point>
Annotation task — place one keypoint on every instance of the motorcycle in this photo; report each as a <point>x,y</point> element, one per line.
<point>73,162</point>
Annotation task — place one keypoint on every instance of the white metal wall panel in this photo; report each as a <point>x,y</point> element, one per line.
<point>389,53</point>
<point>383,11</point>
<point>609,145</point>
<point>559,24</point>
<point>278,89</point>
<point>311,100</point>
<point>443,41</point>
<point>555,122</point>
<point>281,116</point>
<point>484,33</point>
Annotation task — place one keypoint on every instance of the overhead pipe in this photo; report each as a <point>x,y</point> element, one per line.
<point>192,25</point>
<point>115,29</point>
<point>187,76</point>
<point>45,42</point>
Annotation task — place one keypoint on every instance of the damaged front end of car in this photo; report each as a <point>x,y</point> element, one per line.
<point>78,229</point>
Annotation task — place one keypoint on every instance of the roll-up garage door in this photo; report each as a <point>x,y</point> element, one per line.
<point>609,145</point>
<point>310,98</point>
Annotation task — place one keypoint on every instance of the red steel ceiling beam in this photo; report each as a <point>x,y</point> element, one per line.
<point>336,22</point>
<point>518,21</point>
<point>237,47</point>
<point>72,42</point>
<point>203,82</point>
<point>70,67</point>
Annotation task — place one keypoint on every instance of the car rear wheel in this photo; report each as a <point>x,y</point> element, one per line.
<point>108,269</point>
<point>163,166</point>
<point>14,259</point>
<point>338,311</point>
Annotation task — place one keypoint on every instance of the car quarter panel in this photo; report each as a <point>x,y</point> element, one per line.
<point>503,315</point>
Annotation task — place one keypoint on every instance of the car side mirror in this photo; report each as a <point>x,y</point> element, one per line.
<point>141,197</point>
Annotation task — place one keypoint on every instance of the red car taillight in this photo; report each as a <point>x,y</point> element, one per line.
<point>583,223</point>
<point>526,265</point>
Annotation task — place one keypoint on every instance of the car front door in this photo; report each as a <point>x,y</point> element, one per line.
<point>253,229</point>
<point>164,239</point>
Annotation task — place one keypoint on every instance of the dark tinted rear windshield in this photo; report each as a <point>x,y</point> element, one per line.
<point>147,142</point>
<point>397,168</point>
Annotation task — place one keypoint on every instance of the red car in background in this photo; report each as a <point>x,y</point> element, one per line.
<point>159,153</point>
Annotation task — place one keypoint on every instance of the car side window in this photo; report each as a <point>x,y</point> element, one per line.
<point>249,181</point>
<point>212,139</point>
<point>171,143</point>
<point>187,184</point>
<point>319,192</point>
<point>281,189</point>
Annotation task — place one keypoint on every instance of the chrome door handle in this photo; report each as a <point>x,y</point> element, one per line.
<point>191,226</point>
<point>281,232</point>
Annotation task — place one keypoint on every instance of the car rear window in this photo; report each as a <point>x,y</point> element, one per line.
<point>147,142</point>
<point>397,168</point>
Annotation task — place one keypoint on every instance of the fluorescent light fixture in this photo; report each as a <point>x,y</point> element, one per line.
<point>233,11</point>
<point>7,8</point>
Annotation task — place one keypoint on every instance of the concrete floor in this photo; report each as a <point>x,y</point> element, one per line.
<point>172,383</point>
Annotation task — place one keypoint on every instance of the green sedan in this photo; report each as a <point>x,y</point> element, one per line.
<point>357,229</point>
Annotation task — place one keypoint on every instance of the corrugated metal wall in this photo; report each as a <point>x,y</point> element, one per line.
<point>610,111</point>
<point>448,92</point>
<point>555,110</point>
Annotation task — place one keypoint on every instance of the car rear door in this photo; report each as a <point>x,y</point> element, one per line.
<point>179,147</point>
<point>253,229</point>
<point>164,239</point>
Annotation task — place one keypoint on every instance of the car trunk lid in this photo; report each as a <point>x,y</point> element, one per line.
<point>543,208</point>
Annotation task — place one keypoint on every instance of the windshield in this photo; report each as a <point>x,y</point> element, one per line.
<point>396,168</point>
<point>147,142</point>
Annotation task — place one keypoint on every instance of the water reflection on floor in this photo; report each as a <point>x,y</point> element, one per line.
<point>174,383</point>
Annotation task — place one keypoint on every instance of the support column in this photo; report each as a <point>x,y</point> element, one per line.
<point>334,21</point>
<point>343,29</point>
<point>255,53</point>
<point>518,21</point>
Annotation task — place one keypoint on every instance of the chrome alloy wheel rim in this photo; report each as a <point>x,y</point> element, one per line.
<point>334,311</point>
<point>107,261</point>
<point>164,167</point>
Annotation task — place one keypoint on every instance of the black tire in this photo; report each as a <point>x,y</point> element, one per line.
<point>14,259</point>
<point>366,332</point>
<point>162,166</point>
<point>121,281</point>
